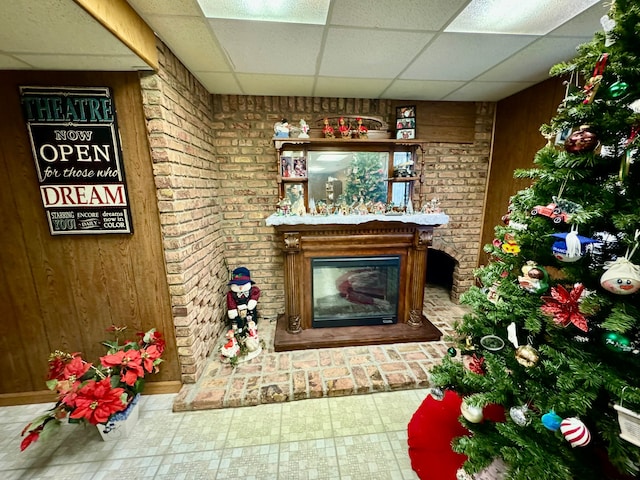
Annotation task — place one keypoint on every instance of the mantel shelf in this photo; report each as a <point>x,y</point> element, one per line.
<point>279,142</point>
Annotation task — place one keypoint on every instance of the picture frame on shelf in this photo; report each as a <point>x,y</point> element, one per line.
<point>406,134</point>
<point>406,122</point>
<point>295,192</point>
<point>293,166</point>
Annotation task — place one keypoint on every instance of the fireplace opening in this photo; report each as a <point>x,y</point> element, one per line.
<point>441,268</point>
<point>351,291</point>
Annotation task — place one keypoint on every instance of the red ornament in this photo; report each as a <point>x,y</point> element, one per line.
<point>581,141</point>
<point>564,306</point>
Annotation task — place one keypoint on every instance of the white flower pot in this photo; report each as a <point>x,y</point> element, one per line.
<point>121,424</point>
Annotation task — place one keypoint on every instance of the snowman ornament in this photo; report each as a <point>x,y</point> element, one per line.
<point>622,277</point>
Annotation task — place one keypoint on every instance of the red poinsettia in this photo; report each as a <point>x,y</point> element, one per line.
<point>94,393</point>
<point>97,401</point>
<point>130,363</point>
<point>564,306</point>
<point>150,358</point>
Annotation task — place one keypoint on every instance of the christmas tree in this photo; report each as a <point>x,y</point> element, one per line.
<point>553,335</point>
<point>366,179</point>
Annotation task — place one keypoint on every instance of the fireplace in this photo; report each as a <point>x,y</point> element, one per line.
<point>354,279</point>
<point>350,291</point>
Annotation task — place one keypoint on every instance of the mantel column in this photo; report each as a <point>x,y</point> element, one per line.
<point>422,239</point>
<point>292,290</point>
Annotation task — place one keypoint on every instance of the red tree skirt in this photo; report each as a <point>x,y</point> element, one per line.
<point>432,428</point>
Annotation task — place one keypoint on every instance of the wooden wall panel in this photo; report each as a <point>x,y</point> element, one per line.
<point>443,122</point>
<point>62,292</point>
<point>517,138</point>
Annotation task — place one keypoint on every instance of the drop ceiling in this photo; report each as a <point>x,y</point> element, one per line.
<point>451,50</point>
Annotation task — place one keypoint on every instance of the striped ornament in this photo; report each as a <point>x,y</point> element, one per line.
<point>575,432</point>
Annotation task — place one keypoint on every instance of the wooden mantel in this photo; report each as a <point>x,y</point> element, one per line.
<point>305,237</point>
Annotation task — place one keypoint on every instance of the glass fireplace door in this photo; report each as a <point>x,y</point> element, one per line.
<point>351,291</point>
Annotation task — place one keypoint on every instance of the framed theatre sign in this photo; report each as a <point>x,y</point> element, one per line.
<point>76,148</point>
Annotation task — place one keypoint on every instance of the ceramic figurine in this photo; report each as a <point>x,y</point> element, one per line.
<point>281,129</point>
<point>304,129</point>
<point>327,130</point>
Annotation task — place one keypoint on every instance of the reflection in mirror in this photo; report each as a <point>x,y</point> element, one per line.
<point>337,176</point>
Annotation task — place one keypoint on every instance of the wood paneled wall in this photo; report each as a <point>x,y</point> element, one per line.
<point>63,292</point>
<point>516,140</point>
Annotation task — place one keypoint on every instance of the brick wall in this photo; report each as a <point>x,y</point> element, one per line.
<point>179,118</point>
<point>215,170</point>
<point>243,129</point>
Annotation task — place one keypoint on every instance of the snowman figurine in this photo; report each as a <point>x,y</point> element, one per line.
<point>242,299</point>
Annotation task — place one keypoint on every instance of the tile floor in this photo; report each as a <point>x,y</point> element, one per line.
<point>358,437</point>
<point>349,438</point>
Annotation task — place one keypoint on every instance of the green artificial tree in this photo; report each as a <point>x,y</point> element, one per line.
<point>366,179</point>
<point>553,334</point>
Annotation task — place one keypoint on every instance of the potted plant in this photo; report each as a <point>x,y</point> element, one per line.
<point>99,394</point>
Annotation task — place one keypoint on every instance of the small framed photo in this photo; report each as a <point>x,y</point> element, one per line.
<point>293,166</point>
<point>562,136</point>
<point>406,112</point>
<point>406,134</point>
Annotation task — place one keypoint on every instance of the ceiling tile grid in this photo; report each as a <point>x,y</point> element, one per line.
<point>476,50</point>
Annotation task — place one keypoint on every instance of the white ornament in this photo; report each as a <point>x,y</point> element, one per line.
<point>621,277</point>
<point>471,413</point>
<point>575,432</point>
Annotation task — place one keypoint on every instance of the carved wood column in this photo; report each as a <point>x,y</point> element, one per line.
<point>292,290</point>
<point>421,241</point>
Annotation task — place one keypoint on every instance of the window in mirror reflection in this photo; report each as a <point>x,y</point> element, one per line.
<point>337,176</point>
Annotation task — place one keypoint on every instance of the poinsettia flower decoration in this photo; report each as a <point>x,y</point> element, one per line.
<point>95,392</point>
<point>564,306</point>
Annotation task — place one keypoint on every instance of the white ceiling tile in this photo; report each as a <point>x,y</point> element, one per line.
<point>50,26</point>
<point>420,90</point>
<point>349,87</point>
<point>166,7</point>
<point>532,64</point>
<point>585,24</point>
<point>463,56</point>
<point>289,11</point>
<point>405,15</point>
<point>85,62</point>
<point>365,53</point>
<point>267,47</point>
<point>191,41</point>
<point>279,85</point>
<point>487,91</point>
<point>222,83</point>
<point>516,17</point>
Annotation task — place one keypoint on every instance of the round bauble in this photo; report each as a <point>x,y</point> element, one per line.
<point>616,342</point>
<point>471,413</point>
<point>452,352</point>
<point>527,356</point>
<point>551,420</point>
<point>576,433</point>
<point>436,393</point>
<point>581,141</point>
<point>520,415</point>
<point>618,89</point>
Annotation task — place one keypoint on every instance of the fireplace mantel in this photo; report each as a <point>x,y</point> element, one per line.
<point>305,237</point>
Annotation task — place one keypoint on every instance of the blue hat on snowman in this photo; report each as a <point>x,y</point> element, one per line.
<point>240,276</point>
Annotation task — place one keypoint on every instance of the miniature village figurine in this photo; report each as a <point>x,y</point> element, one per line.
<point>327,130</point>
<point>231,348</point>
